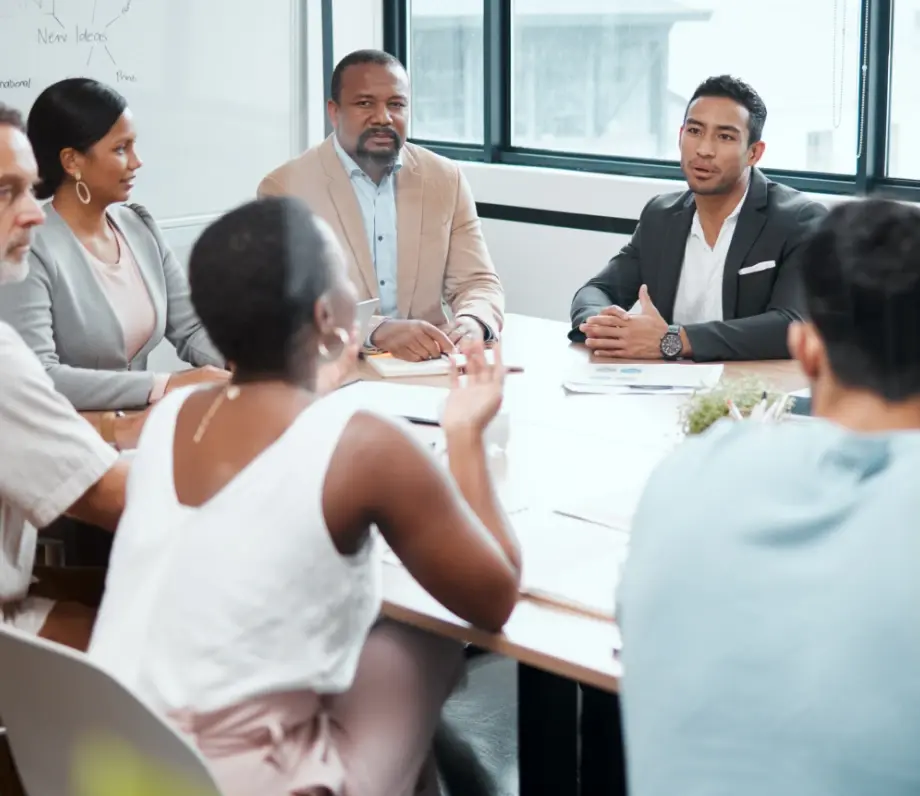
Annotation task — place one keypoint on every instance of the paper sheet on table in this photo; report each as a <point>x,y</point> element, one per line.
<point>599,510</point>
<point>414,402</point>
<point>571,563</point>
<point>624,378</point>
<point>614,507</point>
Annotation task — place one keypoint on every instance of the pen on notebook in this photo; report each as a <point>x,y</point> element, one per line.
<point>461,366</point>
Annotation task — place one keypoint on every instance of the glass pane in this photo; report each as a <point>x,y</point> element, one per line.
<point>904,129</point>
<point>445,66</point>
<point>613,77</point>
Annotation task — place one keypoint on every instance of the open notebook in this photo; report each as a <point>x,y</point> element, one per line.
<point>389,367</point>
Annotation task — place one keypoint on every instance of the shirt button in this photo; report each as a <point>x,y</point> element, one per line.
<point>383,282</point>
<point>380,237</point>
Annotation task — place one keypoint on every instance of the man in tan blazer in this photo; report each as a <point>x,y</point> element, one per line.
<point>405,216</point>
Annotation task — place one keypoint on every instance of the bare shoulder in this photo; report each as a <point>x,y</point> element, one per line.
<point>370,437</point>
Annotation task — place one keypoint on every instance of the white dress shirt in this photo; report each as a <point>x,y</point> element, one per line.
<point>699,292</point>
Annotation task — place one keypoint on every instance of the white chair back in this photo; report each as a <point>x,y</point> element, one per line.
<point>54,700</point>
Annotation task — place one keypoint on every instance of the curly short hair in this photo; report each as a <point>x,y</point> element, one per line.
<point>734,89</point>
<point>255,275</point>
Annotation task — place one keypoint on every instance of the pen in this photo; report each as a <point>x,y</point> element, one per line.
<point>733,410</point>
<point>461,368</point>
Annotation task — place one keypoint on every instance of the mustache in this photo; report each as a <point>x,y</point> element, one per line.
<point>15,243</point>
<point>374,131</point>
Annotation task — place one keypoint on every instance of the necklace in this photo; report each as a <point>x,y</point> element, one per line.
<point>229,393</point>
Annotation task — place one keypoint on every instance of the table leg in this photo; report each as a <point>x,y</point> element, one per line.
<point>603,762</point>
<point>547,734</point>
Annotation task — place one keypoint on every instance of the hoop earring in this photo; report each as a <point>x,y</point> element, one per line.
<point>343,337</point>
<point>83,193</point>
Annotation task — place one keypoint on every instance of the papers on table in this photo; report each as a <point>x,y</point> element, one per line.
<point>413,402</point>
<point>801,405</point>
<point>621,378</point>
<point>599,510</point>
<point>569,563</point>
<point>566,563</point>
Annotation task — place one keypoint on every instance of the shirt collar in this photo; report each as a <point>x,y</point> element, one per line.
<point>352,168</point>
<point>696,228</point>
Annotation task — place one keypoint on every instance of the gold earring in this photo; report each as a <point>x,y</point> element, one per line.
<point>343,337</point>
<point>83,193</point>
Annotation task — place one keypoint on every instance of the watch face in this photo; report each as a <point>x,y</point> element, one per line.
<point>671,345</point>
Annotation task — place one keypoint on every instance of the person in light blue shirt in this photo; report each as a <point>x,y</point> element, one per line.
<point>378,210</point>
<point>770,605</point>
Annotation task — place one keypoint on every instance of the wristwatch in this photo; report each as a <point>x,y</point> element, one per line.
<point>671,345</point>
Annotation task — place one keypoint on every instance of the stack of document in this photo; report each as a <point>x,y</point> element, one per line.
<point>651,379</point>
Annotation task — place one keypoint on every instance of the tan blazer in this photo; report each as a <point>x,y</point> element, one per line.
<point>441,254</point>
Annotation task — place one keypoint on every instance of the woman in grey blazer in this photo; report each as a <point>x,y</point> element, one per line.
<point>103,287</point>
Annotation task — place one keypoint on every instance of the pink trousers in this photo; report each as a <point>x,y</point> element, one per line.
<point>373,740</point>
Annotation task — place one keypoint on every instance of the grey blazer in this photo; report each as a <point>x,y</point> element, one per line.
<point>756,307</point>
<point>65,318</point>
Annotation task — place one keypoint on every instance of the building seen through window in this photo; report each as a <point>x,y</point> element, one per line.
<point>612,77</point>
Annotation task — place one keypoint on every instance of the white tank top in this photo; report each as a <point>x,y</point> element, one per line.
<point>244,596</point>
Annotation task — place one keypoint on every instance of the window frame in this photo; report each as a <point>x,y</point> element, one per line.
<point>873,111</point>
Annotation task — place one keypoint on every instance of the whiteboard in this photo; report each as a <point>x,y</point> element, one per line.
<point>214,86</point>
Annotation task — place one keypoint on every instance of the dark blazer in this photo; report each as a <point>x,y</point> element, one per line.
<point>756,307</point>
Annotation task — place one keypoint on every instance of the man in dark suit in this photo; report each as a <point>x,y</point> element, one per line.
<point>710,273</point>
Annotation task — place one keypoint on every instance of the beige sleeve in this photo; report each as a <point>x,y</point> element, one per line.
<point>471,285</point>
<point>49,455</point>
<point>270,186</point>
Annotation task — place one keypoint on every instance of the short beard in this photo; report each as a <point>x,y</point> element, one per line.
<point>12,272</point>
<point>716,190</point>
<point>379,157</point>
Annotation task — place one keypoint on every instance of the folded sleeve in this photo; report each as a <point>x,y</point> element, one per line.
<point>51,455</point>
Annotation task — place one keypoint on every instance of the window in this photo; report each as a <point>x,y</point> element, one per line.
<point>603,85</point>
<point>613,77</point>
<point>903,157</point>
<point>445,61</point>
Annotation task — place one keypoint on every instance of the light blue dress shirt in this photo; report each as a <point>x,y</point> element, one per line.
<point>770,613</point>
<point>378,211</point>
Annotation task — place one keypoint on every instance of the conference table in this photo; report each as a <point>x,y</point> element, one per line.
<point>569,459</point>
<point>569,478</point>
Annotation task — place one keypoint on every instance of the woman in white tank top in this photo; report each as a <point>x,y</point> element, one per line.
<point>244,588</point>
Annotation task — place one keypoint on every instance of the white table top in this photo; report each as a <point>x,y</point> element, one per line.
<point>588,454</point>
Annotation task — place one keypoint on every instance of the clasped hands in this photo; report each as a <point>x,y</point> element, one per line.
<point>617,334</point>
<point>417,340</point>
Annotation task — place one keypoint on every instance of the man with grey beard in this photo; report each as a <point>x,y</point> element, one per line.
<point>52,461</point>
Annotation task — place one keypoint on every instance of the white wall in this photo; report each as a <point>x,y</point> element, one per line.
<point>356,25</point>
